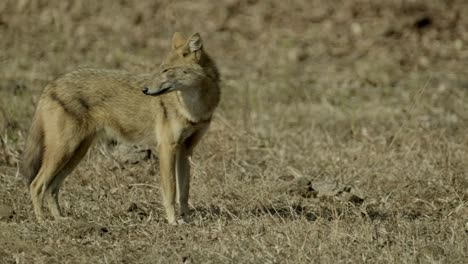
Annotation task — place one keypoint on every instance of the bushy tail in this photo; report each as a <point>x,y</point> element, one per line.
<point>33,151</point>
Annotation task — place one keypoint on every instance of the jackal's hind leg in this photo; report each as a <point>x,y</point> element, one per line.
<point>53,188</point>
<point>37,189</point>
<point>40,187</point>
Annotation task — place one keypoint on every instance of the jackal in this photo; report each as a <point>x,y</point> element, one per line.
<point>168,110</point>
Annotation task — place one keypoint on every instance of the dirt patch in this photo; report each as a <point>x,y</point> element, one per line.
<point>6,212</point>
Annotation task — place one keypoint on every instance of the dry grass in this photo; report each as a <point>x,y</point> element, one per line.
<point>363,94</point>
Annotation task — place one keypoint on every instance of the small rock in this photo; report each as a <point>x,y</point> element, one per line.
<point>342,192</point>
<point>354,199</point>
<point>432,253</point>
<point>82,229</point>
<point>356,29</point>
<point>186,260</point>
<point>423,22</point>
<point>299,186</point>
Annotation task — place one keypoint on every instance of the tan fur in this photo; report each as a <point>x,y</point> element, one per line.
<point>79,105</point>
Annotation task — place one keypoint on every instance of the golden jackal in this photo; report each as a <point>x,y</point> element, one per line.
<point>171,114</point>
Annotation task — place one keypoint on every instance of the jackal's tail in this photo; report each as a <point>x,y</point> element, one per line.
<point>33,151</point>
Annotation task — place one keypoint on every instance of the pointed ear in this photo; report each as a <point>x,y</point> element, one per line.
<point>177,40</point>
<point>195,42</point>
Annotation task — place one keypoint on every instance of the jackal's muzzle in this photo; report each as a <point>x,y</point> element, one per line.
<point>164,88</point>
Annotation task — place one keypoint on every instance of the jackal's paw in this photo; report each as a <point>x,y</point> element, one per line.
<point>171,220</point>
<point>40,219</point>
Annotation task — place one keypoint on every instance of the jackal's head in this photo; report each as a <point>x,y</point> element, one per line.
<point>184,51</point>
<point>181,78</point>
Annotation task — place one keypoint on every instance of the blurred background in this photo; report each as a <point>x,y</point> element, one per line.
<point>302,50</point>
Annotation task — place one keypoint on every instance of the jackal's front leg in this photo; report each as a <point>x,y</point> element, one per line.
<point>167,161</point>
<point>183,181</point>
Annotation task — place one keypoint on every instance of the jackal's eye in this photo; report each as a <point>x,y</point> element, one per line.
<point>165,70</point>
<point>185,54</point>
<point>185,72</point>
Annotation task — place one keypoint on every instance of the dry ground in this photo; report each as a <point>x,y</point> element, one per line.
<point>342,136</point>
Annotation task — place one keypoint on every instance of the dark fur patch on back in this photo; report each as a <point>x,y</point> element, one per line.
<point>84,103</point>
<point>54,96</point>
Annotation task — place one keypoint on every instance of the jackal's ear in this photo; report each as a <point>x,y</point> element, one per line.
<point>195,42</point>
<point>177,40</point>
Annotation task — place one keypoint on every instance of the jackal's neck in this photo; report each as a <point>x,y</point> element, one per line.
<point>210,67</point>
<point>198,104</point>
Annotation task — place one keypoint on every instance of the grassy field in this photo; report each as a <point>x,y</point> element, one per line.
<point>341,137</point>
